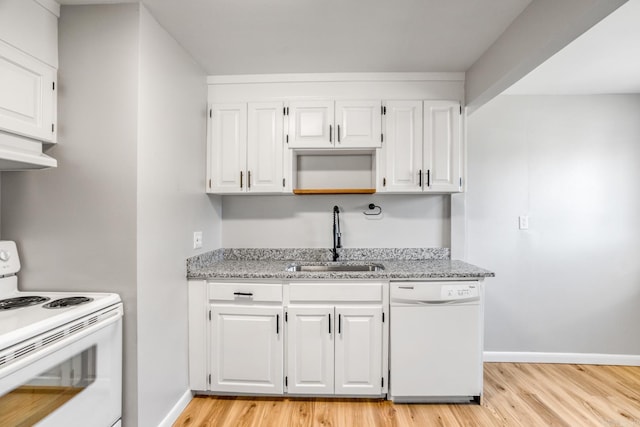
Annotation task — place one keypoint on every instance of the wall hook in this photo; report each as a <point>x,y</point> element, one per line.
<point>373,207</point>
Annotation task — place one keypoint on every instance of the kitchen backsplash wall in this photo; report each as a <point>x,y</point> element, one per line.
<point>415,221</point>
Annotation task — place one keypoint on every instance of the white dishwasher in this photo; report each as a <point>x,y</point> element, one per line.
<point>436,341</point>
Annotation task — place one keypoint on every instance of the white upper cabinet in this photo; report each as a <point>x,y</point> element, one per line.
<point>442,159</point>
<point>311,124</point>
<point>246,148</point>
<point>422,150</point>
<point>358,124</point>
<point>31,26</point>
<point>341,133</point>
<point>28,102</point>
<point>28,68</point>
<point>227,148</point>
<point>329,124</point>
<point>400,162</point>
<point>265,148</point>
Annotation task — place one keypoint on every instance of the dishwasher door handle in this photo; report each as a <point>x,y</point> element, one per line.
<point>408,302</point>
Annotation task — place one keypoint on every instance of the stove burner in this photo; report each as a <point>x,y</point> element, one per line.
<point>67,302</point>
<point>19,302</point>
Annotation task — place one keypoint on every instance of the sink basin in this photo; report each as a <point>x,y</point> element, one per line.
<point>335,267</point>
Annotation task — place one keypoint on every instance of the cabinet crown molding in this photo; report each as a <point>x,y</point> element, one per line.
<point>334,77</point>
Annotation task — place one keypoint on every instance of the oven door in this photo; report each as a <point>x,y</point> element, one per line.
<point>71,376</point>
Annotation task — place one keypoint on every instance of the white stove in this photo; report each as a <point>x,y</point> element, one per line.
<point>18,324</point>
<point>58,344</point>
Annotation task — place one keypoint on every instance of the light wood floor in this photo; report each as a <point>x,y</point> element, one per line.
<point>514,395</point>
<point>26,405</point>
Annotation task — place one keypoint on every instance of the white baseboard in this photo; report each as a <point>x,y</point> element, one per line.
<point>570,358</point>
<point>177,409</point>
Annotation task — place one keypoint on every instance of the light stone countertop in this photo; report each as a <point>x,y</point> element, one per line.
<point>272,265</point>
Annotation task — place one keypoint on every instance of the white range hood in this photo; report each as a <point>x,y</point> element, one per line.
<point>18,154</point>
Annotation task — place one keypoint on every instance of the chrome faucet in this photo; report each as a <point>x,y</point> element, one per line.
<point>336,232</point>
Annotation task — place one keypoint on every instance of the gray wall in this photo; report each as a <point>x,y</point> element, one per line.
<point>571,283</point>
<point>75,225</point>
<point>306,221</point>
<point>172,205</point>
<point>118,213</point>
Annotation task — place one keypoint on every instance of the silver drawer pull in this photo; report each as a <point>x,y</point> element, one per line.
<point>405,287</point>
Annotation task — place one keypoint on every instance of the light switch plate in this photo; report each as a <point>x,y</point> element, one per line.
<point>523,222</point>
<point>197,239</point>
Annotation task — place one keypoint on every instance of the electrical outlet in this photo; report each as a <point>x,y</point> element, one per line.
<point>197,239</point>
<point>523,222</point>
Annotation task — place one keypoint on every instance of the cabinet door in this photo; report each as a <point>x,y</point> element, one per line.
<point>28,102</point>
<point>358,354</point>
<point>227,148</point>
<point>246,349</point>
<point>310,349</point>
<point>358,124</point>
<point>442,151</point>
<point>311,124</point>
<point>264,148</point>
<point>401,156</point>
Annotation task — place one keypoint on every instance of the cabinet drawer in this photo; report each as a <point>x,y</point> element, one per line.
<point>267,292</point>
<point>318,291</point>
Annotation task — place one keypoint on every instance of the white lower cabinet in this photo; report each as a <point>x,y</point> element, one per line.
<point>246,349</point>
<point>334,350</point>
<point>310,349</point>
<point>358,351</point>
<point>320,338</point>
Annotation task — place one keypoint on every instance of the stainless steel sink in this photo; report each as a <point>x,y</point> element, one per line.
<point>335,267</point>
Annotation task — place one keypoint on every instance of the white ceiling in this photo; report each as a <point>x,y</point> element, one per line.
<point>605,59</point>
<point>298,36</point>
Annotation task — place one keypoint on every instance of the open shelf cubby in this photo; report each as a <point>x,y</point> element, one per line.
<point>334,172</point>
